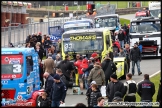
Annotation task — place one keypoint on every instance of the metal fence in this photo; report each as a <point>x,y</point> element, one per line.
<point>18,34</point>
<point>55,5</point>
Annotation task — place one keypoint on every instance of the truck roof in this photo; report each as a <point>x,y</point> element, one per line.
<point>145,19</point>
<point>86,30</point>
<point>79,21</point>
<point>17,49</point>
<point>107,15</point>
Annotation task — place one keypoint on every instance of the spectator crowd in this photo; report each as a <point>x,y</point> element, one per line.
<point>93,74</point>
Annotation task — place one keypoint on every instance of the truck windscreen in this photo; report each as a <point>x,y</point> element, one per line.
<point>82,42</point>
<point>11,66</point>
<point>155,13</point>
<point>145,27</point>
<point>105,22</point>
<point>55,30</point>
<point>76,26</point>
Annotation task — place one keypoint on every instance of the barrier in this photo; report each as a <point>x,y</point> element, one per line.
<point>18,34</point>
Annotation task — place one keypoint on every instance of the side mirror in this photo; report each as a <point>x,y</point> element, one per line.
<point>115,63</point>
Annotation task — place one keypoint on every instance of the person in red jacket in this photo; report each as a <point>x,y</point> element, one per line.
<point>96,57</point>
<point>117,44</point>
<point>78,64</point>
<point>85,74</point>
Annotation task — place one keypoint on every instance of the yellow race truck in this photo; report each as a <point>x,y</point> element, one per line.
<point>88,41</point>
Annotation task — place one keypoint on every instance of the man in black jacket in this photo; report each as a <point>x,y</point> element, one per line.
<point>66,66</point>
<point>158,99</point>
<point>113,87</point>
<point>121,38</point>
<point>47,44</point>
<point>126,29</point>
<point>135,56</point>
<point>146,89</point>
<point>39,38</point>
<point>62,77</point>
<point>108,67</point>
<point>58,92</point>
<point>48,84</point>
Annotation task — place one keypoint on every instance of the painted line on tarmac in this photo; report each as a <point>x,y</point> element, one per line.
<point>152,75</point>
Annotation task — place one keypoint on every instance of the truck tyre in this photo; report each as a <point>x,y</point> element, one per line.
<point>125,70</point>
<point>38,101</point>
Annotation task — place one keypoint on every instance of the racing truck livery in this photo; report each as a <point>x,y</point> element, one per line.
<point>20,84</point>
<point>140,14</point>
<point>86,42</point>
<point>57,31</point>
<point>147,32</point>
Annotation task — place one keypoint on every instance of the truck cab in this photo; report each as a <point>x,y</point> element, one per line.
<point>78,24</point>
<point>20,77</point>
<point>147,32</point>
<point>111,22</point>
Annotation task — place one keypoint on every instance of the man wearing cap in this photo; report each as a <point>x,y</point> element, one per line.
<point>49,64</point>
<point>96,57</point>
<point>88,93</point>
<point>135,56</point>
<point>58,92</point>
<point>113,87</point>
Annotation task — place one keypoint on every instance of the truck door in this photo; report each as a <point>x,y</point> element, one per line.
<point>109,45</point>
<point>36,72</point>
<point>55,33</point>
<point>30,76</point>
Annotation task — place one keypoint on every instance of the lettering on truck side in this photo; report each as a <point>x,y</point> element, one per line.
<point>78,38</point>
<point>30,80</point>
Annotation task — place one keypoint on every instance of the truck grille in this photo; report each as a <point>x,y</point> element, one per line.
<point>8,94</point>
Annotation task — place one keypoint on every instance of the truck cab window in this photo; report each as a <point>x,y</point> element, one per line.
<point>29,64</point>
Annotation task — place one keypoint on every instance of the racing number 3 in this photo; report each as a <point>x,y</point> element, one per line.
<point>17,68</point>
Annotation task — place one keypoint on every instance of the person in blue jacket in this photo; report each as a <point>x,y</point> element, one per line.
<point>140,46</point>
<point>58,92</point>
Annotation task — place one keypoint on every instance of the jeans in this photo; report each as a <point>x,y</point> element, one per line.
<point>121,43</point>
<point>85,76</point>
<point>86,83</point>
<point>138,66</point>
<point>55,104</point>
<point>46,52</point>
